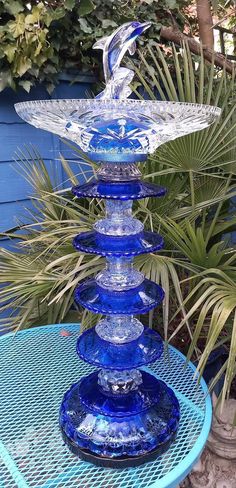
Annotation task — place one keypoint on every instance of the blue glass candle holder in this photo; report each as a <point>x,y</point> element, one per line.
<point>120,415</point>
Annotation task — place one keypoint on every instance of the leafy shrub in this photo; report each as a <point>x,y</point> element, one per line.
<point>39,39</point>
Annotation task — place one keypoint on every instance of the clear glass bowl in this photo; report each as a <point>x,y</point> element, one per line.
<point>111,128</point>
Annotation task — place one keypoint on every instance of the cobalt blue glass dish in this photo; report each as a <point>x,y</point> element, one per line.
<point>134,301</point>
<point>121,190</point>
<point>95,399</point>
<point>148,347</point>
<point>113,437</point>
<point>104,245</point>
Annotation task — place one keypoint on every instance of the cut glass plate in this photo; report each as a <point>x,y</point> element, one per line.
<point>109,129</point>
<point>132,435</point>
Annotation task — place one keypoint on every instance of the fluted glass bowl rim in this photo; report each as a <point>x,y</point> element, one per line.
<point>204,108</point>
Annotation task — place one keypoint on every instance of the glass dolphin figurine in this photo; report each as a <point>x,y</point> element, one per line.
<point>114,47</point>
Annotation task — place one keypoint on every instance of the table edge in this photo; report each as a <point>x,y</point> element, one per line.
<point>170,480</point>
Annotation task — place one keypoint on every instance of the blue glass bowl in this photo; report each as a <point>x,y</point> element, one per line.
<point>114,437</point>
<point>97,400</point>
<point>110,302</point>
<point>144,350</point>
<point>95,243</point>
<point>125,190</point>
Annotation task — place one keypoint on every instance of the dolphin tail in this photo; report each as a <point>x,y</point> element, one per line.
<point>117,86</point>
<point>100,43</point>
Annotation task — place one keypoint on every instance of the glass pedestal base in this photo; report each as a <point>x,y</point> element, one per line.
<point>116,463</point>
<point>119,438</point>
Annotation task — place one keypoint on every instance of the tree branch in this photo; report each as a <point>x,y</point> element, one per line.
<point>176,36</point>
<point>205,23</point>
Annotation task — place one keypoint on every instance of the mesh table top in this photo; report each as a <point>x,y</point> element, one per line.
<point>36,367</point>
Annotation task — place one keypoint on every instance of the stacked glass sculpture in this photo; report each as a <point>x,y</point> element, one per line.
<point>119,415</point>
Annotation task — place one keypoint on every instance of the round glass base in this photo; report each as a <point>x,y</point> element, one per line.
<point>113,437</point>
<point>120,462</point>
<point>115,157</point>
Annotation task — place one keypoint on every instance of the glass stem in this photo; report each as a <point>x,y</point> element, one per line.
<point>118,210</point>
<point>118,220</point>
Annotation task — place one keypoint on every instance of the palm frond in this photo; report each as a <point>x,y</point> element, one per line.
<point>195,82</point>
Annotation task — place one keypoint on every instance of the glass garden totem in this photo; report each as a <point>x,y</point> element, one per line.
<point>120,415</point>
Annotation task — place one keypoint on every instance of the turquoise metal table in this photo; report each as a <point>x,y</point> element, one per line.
<point>36,367</point>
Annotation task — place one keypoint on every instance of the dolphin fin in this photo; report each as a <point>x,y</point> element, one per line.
<point>132,48</point>
<point>100,43</point>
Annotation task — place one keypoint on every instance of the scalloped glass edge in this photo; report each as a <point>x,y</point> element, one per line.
<point>93,289</point>
<point>80,243</point>
<point>91,190</point>
<point>129,101</point>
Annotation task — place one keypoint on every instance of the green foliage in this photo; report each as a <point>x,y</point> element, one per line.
<point>39,39</point>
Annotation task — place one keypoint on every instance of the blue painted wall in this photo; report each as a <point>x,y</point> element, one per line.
<point>15,133</point>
